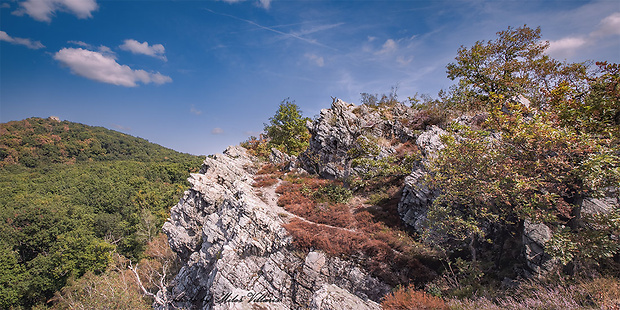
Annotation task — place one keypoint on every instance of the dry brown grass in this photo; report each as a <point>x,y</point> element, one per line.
<point>387,252</point>
<point>601,293</point>
<point>267,175</point>
<point>411,299</point>
<point>298,199</point>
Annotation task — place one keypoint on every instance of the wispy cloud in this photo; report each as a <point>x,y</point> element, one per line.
<point>610,25</point>
<point>261,3</point>
<point>274,30</point>
<point>567,46</point>
<point>404,60</point>
<point>121,127</point>
<point>43,10</point>
<point>251,133</point>
<point>319,61</point>
<point>389,46</point>
<point>108,52</point>
<point>194,111</point>
<point>21,41</point>
<point>99,67</point>
<point>217,131</point>
<point>315,29</point>
<point>155,50</point>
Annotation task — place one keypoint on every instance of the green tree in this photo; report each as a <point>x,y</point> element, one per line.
<point>534,162</point>
<point>287,129</point>
<point>513,64</point>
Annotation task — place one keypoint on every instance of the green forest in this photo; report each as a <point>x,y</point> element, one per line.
<point>71,197</point>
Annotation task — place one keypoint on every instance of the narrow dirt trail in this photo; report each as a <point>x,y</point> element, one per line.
<point>270,197</point>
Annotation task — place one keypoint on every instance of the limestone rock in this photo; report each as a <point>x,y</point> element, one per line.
<point>331,297</point>
<point>335,133</point>
<point>237,255</point>
<point>416,199</point>
<point>429,141</point>
<point>417,196</point>
<point>535,236</point>
<point>599,205</point>
<point>278,158</point>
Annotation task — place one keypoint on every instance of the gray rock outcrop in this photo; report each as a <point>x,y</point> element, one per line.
<point>237,255</point>
<point>417,196</point>
<point>336,133</point>
<point>535,236</point>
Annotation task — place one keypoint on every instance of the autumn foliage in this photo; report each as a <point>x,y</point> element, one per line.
<point>350,231</point>
<point>411,299</point>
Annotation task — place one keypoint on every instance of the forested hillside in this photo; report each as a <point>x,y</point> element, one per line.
<point>71,196</point>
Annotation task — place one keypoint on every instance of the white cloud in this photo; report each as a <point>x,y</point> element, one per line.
<point>155,50</point>
<point>389,46</point>
<point>121,127</point>
<point>106,51</point>
<point>565,46</point>
<point>80,43</point>
<point>610,25</point>
<point>319,61</point>
<point>43,10</point>
<point>102,48</point>
<point>99,67</point>
<point>265,4</point>
<point>21,41</point>
<point>194,111</point>
<point>568,46</point>
<point>403,61</point>
<point>217,131</point>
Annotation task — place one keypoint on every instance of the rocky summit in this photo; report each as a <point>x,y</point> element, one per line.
<point>237,255</point>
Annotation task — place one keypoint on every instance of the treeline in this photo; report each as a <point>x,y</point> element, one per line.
<point>73,197</point>
<point>34,142</point>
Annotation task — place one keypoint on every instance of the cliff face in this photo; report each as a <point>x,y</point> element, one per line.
<point>236,254</point>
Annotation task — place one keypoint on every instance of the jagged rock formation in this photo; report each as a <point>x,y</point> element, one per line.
<point>417,196</point>
<point>236,254</point>
<point>337,132</point>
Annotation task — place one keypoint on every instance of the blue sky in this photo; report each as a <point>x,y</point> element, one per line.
<point>196,76</point>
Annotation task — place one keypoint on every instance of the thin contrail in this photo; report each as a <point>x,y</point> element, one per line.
<point>273,30</point>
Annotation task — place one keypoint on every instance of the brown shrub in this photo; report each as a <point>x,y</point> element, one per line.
<point>269,169</point>
<point>298,199</point>
<point>333,241</point>
<point>409,298</point>
<point>265,180</point>
<point>405,149</point>
<point>384,249</point>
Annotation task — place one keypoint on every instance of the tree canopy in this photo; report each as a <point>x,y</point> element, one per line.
<point>71,195</point>
<point>528,161</point>
<point>287,129</point>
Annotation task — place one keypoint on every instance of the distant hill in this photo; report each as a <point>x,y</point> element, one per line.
<point>71,195</point>
<point>36,141</point>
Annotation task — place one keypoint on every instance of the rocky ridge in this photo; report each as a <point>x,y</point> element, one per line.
<point>339,131</point>
<point>236,254</point>
<point>230,235</point>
